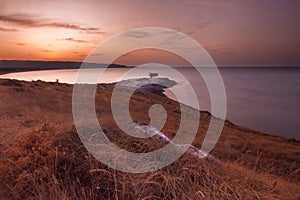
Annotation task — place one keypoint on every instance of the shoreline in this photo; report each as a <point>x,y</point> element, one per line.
<point>14,66</point>
<point>42,112</point>
<point>152,88</point>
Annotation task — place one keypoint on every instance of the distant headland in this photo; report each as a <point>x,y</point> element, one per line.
<point>9,66</point>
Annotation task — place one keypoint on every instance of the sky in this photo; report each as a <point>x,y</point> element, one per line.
<point>234,32</point>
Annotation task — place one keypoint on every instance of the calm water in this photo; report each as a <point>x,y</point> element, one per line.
<point>266,99</point>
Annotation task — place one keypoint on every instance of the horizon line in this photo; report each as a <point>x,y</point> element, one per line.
<point>74,61</point>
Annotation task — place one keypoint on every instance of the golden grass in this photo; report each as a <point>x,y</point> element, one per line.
<point>46,164</point>
<point>43,158</point>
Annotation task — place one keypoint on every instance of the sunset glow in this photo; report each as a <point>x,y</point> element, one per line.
<point>234,33</point>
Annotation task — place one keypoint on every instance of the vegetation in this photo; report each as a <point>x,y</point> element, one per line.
<point>42,156</point>
<point>44,164</point>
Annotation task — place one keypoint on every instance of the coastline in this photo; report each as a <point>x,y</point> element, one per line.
<point>28,106</point>
<point>13,66</point>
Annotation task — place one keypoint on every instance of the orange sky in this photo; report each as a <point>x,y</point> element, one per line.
<point>249,32</point>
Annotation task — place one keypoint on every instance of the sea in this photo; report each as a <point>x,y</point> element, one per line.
<point>261,98</point>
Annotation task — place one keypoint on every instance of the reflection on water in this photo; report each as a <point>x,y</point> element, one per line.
<point>260,98</point>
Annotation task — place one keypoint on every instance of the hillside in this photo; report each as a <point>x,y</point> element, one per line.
<point>43,158</point>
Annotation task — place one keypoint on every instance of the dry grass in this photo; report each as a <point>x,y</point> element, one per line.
<point>45,164</point>
<point>43,158</point>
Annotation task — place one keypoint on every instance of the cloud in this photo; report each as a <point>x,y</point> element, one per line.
<point>74,40</point>
<point>173,38</point>
<point>138,34</point>
<point>95,32</point>
<point>20,44</point>
<point>47,51</point>
<point>19,19</point>
<point>203,25</point>
<point>8,29</point>
<point>79,54</point>
<point>32,21</point>
<point>218,49</point>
